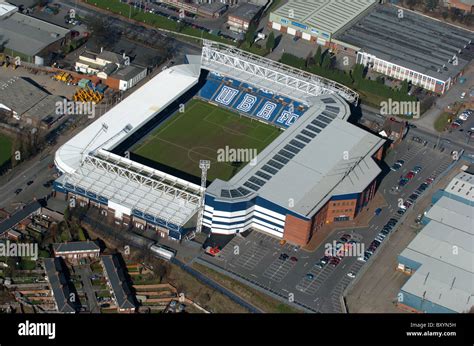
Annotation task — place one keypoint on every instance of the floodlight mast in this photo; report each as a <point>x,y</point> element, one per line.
<point>204,165</point>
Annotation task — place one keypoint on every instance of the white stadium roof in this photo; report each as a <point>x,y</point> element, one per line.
<point>128,185</point>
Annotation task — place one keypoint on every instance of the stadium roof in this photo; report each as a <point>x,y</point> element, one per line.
<point>327,15</point>
<point>28,35</point>
<point>133,187</point>
<point>444,249</point>
<point>415,42</point>
<point>135,110</point>
<point>319,156</point>
<point>462,186</point>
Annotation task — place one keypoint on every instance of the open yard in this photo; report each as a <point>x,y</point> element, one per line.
<point>202,132</point>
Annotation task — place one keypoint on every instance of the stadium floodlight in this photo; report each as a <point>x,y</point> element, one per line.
<point>204,165</point>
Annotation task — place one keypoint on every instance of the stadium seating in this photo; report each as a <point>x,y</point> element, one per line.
<point>247,99</point>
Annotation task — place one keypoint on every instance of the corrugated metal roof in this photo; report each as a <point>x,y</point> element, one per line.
<point>327,15</point>
<point>29,35</point>
<point>445,250</point>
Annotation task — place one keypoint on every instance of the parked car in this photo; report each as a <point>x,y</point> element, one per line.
<point>335,261</point>
<point>319,265</point>
<point>325,259</point>
<point>378,211</point>
<point>417,169</point>
<point>410,175</point>
<point>30,182</point>
<point>283,257</point>
<point>293,259</point>
<point>397,165</point>
<point>351,275</point>
<point>17,191</point>
<point>310,276</point>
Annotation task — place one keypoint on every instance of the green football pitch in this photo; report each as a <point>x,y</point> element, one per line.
<point>202,132</point>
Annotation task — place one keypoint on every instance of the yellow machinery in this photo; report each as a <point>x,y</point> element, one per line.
<point>87,95</point>
<point>62,77</point>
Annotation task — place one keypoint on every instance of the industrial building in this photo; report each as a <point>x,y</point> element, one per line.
<point>31,39</point>
<point>318,21</point>
<point>409,46</point>
<point>240,19</point>
<point>320,170</point>
<point>440,259</point>
<point>114,69</point>
<point>28,103</point>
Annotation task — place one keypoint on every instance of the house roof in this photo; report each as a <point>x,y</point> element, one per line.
<point>76,246</point>
<point>115,274</point>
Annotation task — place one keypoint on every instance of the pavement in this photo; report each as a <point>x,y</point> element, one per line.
<point>84,271</point>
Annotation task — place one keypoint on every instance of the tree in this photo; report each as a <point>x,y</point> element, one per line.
<point>326,62</point>
<point>430,5</point>
<point>270,42</point>
<point>317,56</point>
<point>250,34</point>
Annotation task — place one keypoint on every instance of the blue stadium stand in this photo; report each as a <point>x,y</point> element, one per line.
<point>247,99</point>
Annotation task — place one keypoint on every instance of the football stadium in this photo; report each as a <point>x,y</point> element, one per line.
<point>141,162</point>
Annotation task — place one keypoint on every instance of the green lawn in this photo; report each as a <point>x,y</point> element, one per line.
<point>199,133</point>
<point>5,149</point>
<point>161,22</point>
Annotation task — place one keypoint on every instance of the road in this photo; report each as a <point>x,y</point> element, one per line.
<point>84,271</point>
<point>457,140</point>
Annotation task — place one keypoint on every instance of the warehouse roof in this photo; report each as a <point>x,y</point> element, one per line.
<point>462,186</point>
<point>444,250</point>
<point>415,41</point>
<point>28,35</point>
<point>328,155</point>
<point>19,95</point>
<point>76,246</point>
<point>452,213</point>
<point>327,15</point>
<point>246,11</point>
